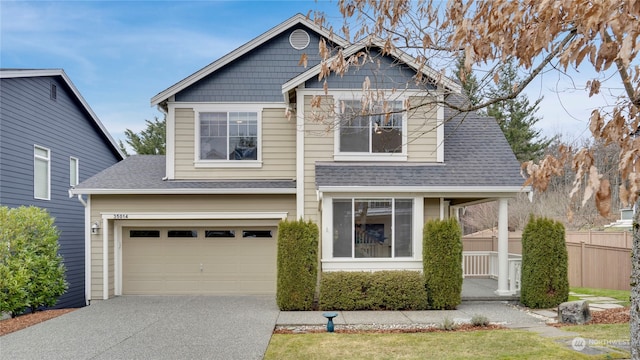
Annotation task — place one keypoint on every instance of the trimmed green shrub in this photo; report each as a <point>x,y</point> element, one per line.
<point>297,264</point>
<point>442,263</point>
<point>32,274</point>
<point>380,290</point>
<point>545,281</point>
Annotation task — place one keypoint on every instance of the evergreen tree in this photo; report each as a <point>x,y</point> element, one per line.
<point>516,117</point>
<point>469,82</point>
<point>150,141</point>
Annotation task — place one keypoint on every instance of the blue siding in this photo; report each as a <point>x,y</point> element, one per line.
<point>29,117</point>
<point>258,75</point>
<point>384,73</point>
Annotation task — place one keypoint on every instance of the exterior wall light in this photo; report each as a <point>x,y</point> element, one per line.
<point>95,228</point>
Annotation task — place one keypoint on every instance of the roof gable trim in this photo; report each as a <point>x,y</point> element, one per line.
<point>242,50</point>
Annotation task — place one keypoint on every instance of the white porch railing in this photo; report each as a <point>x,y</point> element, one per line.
<point>485,264</point>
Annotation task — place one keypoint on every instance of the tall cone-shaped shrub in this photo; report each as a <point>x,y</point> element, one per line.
<point>545,281</point>
<point>442,263</point>
<point>297,264</point>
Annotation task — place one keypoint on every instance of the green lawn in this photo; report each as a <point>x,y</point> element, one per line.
<point>604,332</point>
<point>622,295</point>
<point>481,344</point>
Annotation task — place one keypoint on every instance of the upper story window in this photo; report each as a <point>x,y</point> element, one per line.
<point>73,171</point>
<point>41,173</point>
<point>378,130</point>
<point>228,136</point>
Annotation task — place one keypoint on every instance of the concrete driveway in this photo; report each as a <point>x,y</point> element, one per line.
<point>152,327</point>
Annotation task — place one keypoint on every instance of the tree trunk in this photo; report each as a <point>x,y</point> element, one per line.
<point>635,285</point>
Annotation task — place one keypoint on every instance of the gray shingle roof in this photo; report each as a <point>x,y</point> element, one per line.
<point>476,155</point>
<point>145,173</point>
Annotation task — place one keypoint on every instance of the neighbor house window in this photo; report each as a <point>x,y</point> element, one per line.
<point>73,171</point>
<point>228,136</point>
<point>41,173</point>
<point>372,228</point>
<point>375,129</point>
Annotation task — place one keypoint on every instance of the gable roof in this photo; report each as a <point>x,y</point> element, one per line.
<point>374,41</point>
<point>242,50</point>
<point>25,73</point>
<point>144,174</point>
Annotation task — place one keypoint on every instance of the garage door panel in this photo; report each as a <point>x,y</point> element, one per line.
<point>202,265</point>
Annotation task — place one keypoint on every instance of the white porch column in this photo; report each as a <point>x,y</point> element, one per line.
<point>503,248</point>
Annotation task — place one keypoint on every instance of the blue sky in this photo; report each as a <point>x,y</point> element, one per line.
<point>119,54</point>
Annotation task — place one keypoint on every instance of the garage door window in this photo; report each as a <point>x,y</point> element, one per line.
<point>257,234</point>
<point>144,233</point>
<point>182,234</point>
<point>219,234</point>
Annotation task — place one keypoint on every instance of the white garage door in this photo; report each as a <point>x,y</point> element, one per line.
<point>220,261</point>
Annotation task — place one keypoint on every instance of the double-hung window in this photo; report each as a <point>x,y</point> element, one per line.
<point>41,173</point>
<point>378,128</point>
<point>372,228</point>
<point>228,136</point>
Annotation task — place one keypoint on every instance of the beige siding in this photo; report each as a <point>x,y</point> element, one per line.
<point>278,149</point>
<point>318,146</point>
<point>431,209</point>
<point>422,135</point>
<point>173,204</point>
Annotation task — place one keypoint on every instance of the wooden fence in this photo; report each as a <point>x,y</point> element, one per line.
<point>597,259</point>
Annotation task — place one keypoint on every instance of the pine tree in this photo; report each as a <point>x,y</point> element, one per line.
<point>516,117</point>
<point>150,141</point>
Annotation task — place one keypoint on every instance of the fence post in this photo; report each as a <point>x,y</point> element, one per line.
<point>582,260</point>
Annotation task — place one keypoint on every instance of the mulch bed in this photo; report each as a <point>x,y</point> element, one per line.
<point>380,329</point>
<point>10,325</point>
<point>610,316</point>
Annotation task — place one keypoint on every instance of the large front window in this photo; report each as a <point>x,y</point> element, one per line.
<point>372,228</point>
<point>374,129</point>
<point>228,135</point>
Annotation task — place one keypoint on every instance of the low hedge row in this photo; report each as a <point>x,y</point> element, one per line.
<point>380,290</point>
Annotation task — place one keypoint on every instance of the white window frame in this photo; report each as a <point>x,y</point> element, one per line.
<point>74,166</point>
<point>200,163</point>
<point>416,221</point>
<point>353,95</point>
<point>47,160</point>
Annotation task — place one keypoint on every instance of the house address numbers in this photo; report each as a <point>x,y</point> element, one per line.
<point>120,216</point>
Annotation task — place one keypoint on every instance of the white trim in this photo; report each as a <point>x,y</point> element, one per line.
<point>242,50</point>
<point>370,156</point>
<point>300,159</point>
<point>117,260</point>
<point>442,214</point>
<point>124,215</point>
<point>105,258</point>
<point>440,130</point>
<point>74,90</point>
<point>47,159</point>
<point>326,255</point>
<point>442,191</point>
<point>170,149</point>
<point>87,251</point>
<point>227,108</point>
<point>186,191</point>
<point>503,248</point>
<point>76,181</point>
<point>380,264</point>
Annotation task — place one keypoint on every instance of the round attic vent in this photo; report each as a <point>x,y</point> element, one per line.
<point>299,39</point>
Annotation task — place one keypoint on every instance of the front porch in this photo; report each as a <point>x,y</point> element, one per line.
<point>480,271</point>
<point>484,289</point>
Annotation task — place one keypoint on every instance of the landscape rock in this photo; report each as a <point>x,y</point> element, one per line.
<point>574,312</point>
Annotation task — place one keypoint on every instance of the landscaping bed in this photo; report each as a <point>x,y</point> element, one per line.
<point>20,322</point>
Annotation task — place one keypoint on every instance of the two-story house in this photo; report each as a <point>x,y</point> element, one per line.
<point>256,137</point>
<point>50,140</point>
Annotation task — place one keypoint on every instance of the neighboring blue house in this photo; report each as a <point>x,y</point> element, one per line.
<point>50,140</point>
